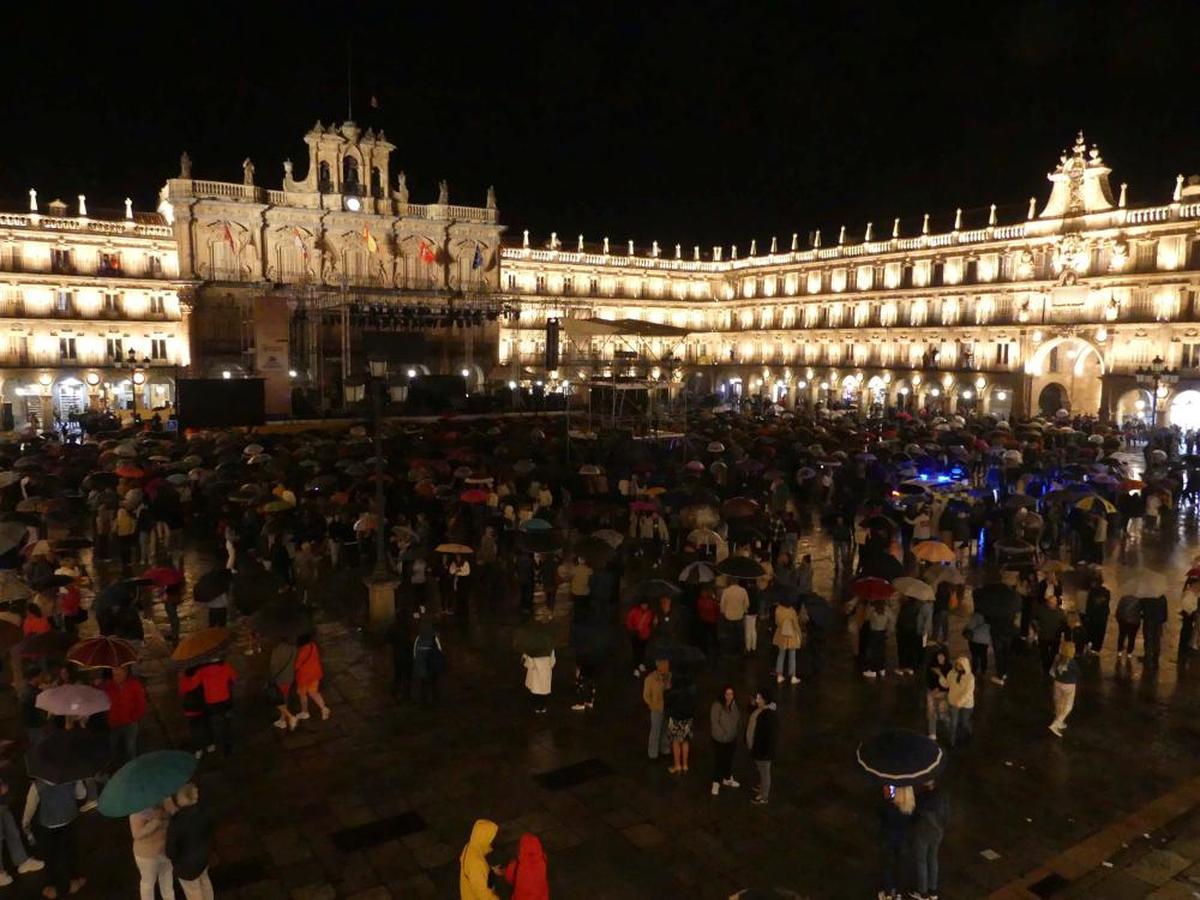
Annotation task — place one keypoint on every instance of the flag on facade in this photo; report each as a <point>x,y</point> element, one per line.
<point>477,260</point>
<point>372,244</point>
<point>426,251</point>
<point>298,237</point>
<point>229,238</point>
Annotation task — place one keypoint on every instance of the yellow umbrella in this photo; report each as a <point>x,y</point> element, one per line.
<point>1094,503</point>
<point>933,551</point>
<point>200,644</point>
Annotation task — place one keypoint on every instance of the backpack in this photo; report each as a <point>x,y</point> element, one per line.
<point>708,608</point>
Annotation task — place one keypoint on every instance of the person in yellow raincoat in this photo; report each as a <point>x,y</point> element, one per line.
<point>473,868</point>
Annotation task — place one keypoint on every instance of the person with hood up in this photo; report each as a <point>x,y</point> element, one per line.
<point>762,735</point>
<point>473,869</point>
<point>527,873</point>
<point>960,697</point>
<point>937,685</point>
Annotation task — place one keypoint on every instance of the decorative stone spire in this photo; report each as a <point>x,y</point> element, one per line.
<point>696,252</point>
<point>1124,188</point>
<point>958,219</point>
<point>128,210</point>
<point>795,241</point>
<point>716,254</point>
<point>82,206</point>
<point>1177,195</point>
<point>774,246</point>
<point>33,200</point>
<point>925,224</point>
<point>867,235</point>
<point>654,249</point>
<point>631,248</point>
<point>580,243</point>
<point>841,235</point>
<point>992,216</point>
<point>606,246</point>
<point>753,247</point>
<point>733,251</point>
<point>1032,207</point>
<point>678,251</point>
<point>525,240</point>
<point>895,228</point>
<point>817,239</point>
<point>554,240</point>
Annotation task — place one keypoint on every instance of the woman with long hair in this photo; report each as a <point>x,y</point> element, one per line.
<point>308,676</point>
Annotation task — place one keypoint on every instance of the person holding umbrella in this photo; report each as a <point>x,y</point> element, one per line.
<point>149,830</point>
<point>127,706</point>
<point>189,843</point>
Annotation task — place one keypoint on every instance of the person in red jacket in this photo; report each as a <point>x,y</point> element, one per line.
<point>127,699</point>
<point>527,873</point>
<point>34,622</point>
<point>638,623</point>
<point>207,694</point>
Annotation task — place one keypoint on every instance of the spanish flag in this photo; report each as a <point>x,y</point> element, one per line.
<point>427,253</point>
<point>372,244</point>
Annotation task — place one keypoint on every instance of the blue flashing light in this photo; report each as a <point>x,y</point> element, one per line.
<point>943,479</point>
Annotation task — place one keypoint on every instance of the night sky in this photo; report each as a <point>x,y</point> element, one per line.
<point>697,123</point>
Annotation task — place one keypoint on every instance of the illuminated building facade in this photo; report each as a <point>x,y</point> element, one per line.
<point>1057,310</point>
<point>93,311</point>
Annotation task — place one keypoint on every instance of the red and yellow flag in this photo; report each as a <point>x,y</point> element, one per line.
<point>427,254</point>
<point>372,244</point>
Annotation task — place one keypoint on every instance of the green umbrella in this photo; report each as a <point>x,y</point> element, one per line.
<point>146,781</point>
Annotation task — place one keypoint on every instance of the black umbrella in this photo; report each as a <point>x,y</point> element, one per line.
<point>73,542</point>
<point>51,582</point>
<point>594,550</point>
<point>676,653</point>
<point>997,601</point>
<point>741,567</point>
<point>64,756</point>
<point>900,757</point>
<point>541,541</point>
<point>882,565</point>
<point>280,620</point>
<point>654,588</point>
<point>212,585</point>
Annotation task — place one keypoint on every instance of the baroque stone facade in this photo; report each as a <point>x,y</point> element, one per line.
<point>1054,311</point>
<point>93,310</point>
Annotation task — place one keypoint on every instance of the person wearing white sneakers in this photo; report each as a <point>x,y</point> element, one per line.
<point>10,838</point>
<point>283,674</point>
<point>787,640</point>
<point>1065,672</point>
<point>308,676</point>
<point>724,718</point>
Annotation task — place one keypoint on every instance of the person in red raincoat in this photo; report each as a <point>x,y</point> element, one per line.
<point>527,873</point>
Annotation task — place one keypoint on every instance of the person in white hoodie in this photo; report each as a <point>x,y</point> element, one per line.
<point>539,674</point>
<point>961,699</point>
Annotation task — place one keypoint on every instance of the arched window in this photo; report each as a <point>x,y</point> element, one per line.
<point>350,184</point>
<point>324,182</point>
<point>376,182</point>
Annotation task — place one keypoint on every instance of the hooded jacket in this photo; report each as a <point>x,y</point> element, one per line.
<point>527,873</point>
<point>473,865</point>
<point>962,685</point>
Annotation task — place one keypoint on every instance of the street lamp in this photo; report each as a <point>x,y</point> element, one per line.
<point>1156,377</point>
<point>137,375</point>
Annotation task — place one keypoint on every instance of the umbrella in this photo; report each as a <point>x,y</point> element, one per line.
<point>820,613</point>
<point>872,588</point>
<point>1016,501</point>
<point>12,535</point>
<point>212,585</point>
<point>130,472</point>
<point>473,496</point>
<point>280,620</point>
<point>534,639</point>
<point>200,644</point>
<point>1093,503</point>
<point>704,537</point>
<point>933,551</point>
<point>697,573</point>
<point>741,567</point>
<point>536,524</point>
<point>1053,565</point>
<point>590,469</point>
<point>613,538</point>
<point>50,582</point>
<point>73,542</point>
<point>73,700</point>
<point>913,587</point>
<point>164,576</point>
<point>541,541</point>
<point>64,756</point>
<point>996,601</point>
<point>883,566</point>
<point>146,781</point>
<point>452,548</point>
<point>595,551</point>
<point>655,588</point>
<point>102,653</point>
<point>41,646</point>
<point>900,757</point>
<point>739,508</point>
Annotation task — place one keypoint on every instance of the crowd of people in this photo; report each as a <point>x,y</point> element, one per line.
<point>695,551</point>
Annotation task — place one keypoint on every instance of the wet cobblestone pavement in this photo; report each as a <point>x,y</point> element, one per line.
<point>378,801</point>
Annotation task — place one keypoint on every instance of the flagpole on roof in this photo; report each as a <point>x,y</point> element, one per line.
<point>349,79</point>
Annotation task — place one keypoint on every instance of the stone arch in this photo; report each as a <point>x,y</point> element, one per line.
<point>1053,397</point>
<point>1037,362</point>
<point>1127,407</point>
<point>1183,407</point>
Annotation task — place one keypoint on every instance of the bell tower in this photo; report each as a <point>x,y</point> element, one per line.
<point>347,167</point>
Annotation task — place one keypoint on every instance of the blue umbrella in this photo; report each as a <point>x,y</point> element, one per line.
<point>146,781</point>
<point>536,525</point>
<point>900,757</point>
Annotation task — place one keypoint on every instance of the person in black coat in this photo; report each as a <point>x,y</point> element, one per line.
<point>762,736</point>
<point>189,843</point>
<point>1154,617</point>
<point>1095,616</point>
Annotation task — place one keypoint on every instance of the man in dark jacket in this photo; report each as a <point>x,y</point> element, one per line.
<point>189,842</point>
<point>762,734</point>
<point>1049,623</point>
<point>1154,616</point>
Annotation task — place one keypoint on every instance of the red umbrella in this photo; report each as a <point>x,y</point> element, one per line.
<point>872,588</point>
<point>130,472</point>
<point>474,495</point>
<point>643,506</point>
<point>102,653</point>
<point>164,576</point>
